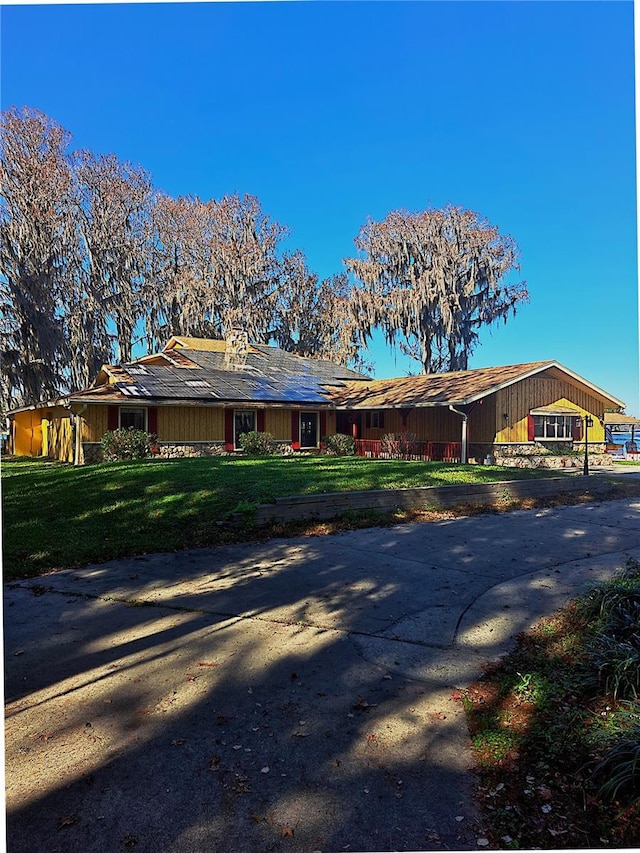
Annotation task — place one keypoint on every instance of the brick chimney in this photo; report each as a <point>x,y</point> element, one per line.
<point>236,349</point>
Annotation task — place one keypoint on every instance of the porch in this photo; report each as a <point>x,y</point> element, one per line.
<point>421,451</point>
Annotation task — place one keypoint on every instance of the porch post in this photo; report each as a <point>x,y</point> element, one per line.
<point>77,454</point>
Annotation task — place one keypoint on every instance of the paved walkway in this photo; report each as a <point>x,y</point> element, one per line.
<point>287,696</point>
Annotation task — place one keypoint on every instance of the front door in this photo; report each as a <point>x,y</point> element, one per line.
<point>308,429</point>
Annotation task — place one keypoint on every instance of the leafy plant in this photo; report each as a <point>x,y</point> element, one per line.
<point>617,663</point>
<point>256,443</point>
<point>340,445</point>
<point>119,444</point>
<point>621,767</point>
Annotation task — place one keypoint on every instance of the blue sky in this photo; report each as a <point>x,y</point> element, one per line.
<point>331,112</point>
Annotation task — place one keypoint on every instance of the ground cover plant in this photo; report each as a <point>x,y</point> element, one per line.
<point>555,727</point>
<point>57,516</point>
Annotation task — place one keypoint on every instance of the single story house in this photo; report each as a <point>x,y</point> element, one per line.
<point>199,395</point>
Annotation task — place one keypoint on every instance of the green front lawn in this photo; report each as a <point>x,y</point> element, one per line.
<point>58,516</point>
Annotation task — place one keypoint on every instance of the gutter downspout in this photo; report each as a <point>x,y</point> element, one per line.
<point>463,453</point>
<point>78,425</point>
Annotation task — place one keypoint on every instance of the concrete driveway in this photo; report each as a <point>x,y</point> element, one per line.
<point>287,696</point>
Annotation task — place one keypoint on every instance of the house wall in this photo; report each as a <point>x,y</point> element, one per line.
<point>436,424</point>
<point>60,443</point>
<point>28,433</point>
<point>190,423</point>
<point>278,423</point>
<point>517,400</point>
<point>94,422</point>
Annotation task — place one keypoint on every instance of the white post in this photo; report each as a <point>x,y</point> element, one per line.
<point>463,452</point>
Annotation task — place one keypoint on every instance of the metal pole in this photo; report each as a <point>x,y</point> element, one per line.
<point>586,446</point>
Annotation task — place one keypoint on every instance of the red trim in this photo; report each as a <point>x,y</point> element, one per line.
<point>531,430</point>
<point>260,420</point>
<point>577,429</point>
<point>112,418</point>
<point>228,429</point>
<point>152,420</point>
<point>295,430</point>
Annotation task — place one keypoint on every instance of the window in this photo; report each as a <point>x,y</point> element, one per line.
<point>374,420</point>
<point>244,420</point>
<point>308,429</point>
<point>133,418</point>
<point>554,426</point>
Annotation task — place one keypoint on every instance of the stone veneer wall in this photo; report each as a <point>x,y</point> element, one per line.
<point>550,455</point>
<point>190,449</point>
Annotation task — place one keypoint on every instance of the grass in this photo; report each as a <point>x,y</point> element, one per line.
<point>555,727</point>
<point>59,516</point>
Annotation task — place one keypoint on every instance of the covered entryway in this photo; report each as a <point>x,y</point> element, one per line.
<point>308,430</point>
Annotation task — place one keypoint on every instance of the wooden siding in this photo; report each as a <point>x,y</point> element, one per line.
<point>60,439</point>
<point>392,423</point>
<point>435,424</point>
<point>278,423</point>
<point>330,425</point>
<point>94,422</point>
<point>518,400</point>
<point>482,421</point>
<point>190,423</point>
<point>427,424</point>
<point>28,433</point>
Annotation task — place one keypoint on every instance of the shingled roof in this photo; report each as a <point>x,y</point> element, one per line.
<point>195,370</point>
<point>443,389</point>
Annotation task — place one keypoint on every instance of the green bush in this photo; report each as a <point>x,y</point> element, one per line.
<point>620,768</point>
<point>129,443</point>
<point>257,443</point>
<point>340,445</point>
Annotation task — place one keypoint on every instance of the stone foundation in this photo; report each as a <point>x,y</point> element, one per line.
<point>91,452</point>
<point>552,455</point>
<point>190,449</point>
<point>539,448</point>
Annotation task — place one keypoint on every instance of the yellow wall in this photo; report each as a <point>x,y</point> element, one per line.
<point>94,422</point>
<point>190,423</point>
<point>28,433</point>
<point>517,400</point>
<point>60,439</point>
<point>193,423</point>
<point>278,423</point>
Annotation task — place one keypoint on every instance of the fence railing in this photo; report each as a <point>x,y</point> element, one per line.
<point>423,451</point>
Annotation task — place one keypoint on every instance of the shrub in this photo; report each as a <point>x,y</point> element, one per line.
<point>257,443</point>
<point>621,768</point>
<point>129,443</point>
<point>340,445</point>
<point>399,445</point>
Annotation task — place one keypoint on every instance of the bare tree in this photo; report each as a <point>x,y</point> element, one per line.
<point>436,278</point>
<point>215,266</point>
<point>246,265</point>
<point>111,212</point>
<point>34,250</point>
<point>314,319</point>
<point>91,258</point>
